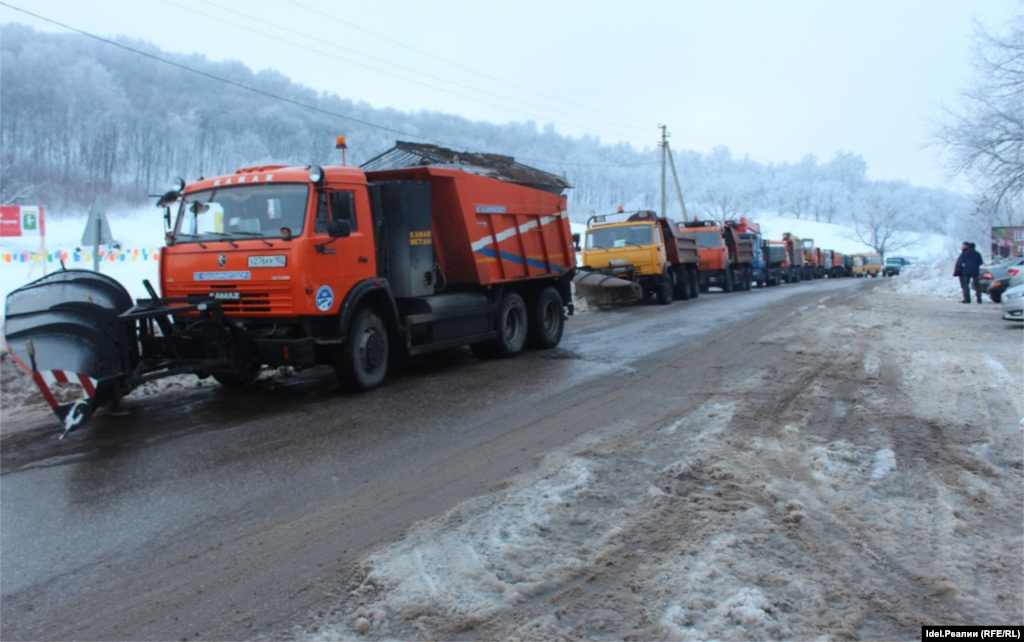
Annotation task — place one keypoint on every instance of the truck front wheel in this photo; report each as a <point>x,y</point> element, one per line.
<point>665,286</point>
<point>547,320</point>
<point>363,362</point>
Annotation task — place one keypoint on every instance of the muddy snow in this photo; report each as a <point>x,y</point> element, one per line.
<point>866,483</point>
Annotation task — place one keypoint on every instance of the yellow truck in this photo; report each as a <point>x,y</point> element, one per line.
<point>867,265</point>
<point>642,257</point>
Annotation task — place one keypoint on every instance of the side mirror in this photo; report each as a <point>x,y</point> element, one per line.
<point>339,229</point>
<point>576,241</point>
<point>342,207</point>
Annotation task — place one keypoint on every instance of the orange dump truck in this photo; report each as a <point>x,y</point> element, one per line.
<point>837,267</point>
<point>305,266</point>
<point>726,259</point>
<point>794,272</point>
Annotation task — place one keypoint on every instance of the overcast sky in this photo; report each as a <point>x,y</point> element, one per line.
<point>775,80</point>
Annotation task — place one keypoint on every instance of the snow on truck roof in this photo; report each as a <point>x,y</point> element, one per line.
<point>505,168</point>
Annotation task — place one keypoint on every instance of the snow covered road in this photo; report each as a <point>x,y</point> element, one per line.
<point>831,460</point>
<point>864,480</point>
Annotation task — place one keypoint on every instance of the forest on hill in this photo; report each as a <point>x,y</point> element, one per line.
<point>82,118</point>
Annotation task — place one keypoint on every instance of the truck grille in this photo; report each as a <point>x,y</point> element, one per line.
<point>269,299</point>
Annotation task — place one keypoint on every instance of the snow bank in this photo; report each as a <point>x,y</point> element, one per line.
<point>933,279</point>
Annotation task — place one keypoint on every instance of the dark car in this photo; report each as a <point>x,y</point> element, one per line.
<point>990,273</point>
<point>893,264</point>
<point>1002,284</point>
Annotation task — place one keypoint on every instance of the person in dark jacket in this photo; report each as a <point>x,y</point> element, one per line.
<point>968,267</point>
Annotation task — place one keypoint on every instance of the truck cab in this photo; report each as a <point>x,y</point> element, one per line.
<point>633,250</point>
<point>265,242</point>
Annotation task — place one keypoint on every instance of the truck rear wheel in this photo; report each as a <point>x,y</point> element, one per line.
<point>547,320</point>
<point>727,281</point>
<point>512,326</point>
<point>363,362</point>
<point>683,286</point>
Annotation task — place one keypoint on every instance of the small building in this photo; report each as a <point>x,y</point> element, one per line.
<point>1007,242</point>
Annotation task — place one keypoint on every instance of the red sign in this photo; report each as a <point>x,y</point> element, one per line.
<point>22,220</point>
<point>10,220</point>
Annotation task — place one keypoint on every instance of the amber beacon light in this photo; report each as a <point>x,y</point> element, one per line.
<point>339,143</point>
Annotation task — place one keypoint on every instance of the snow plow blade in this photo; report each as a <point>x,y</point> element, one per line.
<point>63,329</point>
<point>602,289</point>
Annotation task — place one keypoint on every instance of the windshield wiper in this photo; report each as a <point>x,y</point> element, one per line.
<point>261,237</point>
<point>193,236</point>
<point>233,244</point>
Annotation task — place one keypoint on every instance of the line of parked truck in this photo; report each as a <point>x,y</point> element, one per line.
<point>640,255</point>
<point>419,250</point>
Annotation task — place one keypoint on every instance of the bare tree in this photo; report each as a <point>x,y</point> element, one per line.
<point>882,217</point>
<point>985,136</point>
<point>14,187</point>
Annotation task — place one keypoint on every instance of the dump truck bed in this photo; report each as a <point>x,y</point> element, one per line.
<point>681,249</point>
<point>486,231</point>
<point>775,252</point>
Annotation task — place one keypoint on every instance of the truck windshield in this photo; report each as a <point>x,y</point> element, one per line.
<point>604,238</point>
<point>705,239</point>
<point>243,211</point>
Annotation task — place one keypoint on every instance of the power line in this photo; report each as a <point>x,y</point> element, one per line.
<point>402,67</point>
<point>285,99</point>
<point>453,63</point>
<point>382,71</point>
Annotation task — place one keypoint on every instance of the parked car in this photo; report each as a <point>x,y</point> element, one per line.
<point>1013,303</point>
<point>990,273</point>
<point>893,265</point>
<point>997,289</point>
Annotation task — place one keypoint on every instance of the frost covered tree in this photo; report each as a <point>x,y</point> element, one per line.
<point>984,137</point>
<point>14,187</point>
<point>883,216</point>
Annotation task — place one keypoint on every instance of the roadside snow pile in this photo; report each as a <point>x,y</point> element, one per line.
<point>933,279</point>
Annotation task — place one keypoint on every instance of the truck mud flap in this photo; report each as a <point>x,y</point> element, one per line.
<point>602,289</point>
<point>63,330</point>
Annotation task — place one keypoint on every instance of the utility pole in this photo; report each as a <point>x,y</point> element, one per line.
<point>675,177</point>
<point>664,148</point>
